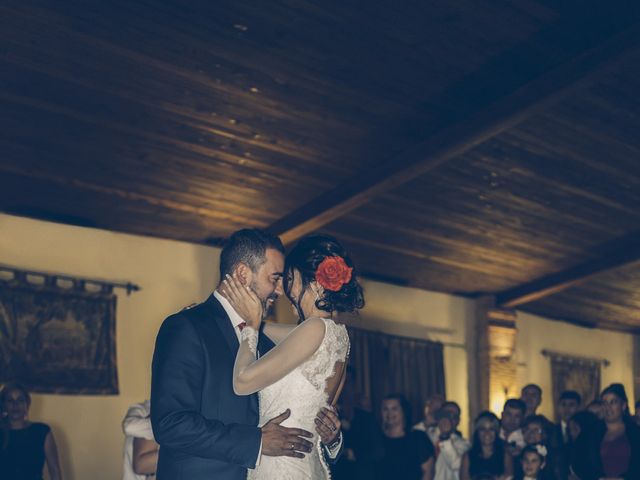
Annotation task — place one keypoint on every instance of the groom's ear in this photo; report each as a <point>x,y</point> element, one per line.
<point>244,273</point>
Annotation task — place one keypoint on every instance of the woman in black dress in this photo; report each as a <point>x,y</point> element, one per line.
<point>407,454</point>
<point>487,457</point>
<point>24,445</point>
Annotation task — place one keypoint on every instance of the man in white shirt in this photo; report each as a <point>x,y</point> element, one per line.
<point>450,446</point>
<point>140,448</point>
<point>431,406</point>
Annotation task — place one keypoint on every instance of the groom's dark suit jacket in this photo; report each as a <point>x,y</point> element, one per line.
<point>204,429</point>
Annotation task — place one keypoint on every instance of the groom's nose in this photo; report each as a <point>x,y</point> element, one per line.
<point>279,290</point>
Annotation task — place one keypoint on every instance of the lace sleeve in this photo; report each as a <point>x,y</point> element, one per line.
<point>251,375</point>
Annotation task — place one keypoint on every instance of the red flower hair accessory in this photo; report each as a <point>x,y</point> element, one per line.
<point>333,273</point>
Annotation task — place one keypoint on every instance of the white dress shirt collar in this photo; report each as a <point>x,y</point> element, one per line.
<point>231,313</point>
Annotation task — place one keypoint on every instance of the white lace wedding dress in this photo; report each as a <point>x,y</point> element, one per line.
<point>295,375</point>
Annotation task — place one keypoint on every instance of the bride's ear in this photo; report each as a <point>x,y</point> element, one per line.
<point>317,289</point>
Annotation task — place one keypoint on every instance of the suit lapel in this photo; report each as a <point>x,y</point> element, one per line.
<point>224,324</point>
<point>264,344</point>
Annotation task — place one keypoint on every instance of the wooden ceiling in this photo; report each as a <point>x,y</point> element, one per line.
<point>472,147</point>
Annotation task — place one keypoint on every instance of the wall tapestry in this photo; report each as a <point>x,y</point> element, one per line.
<point>55,339</point>
<point>575,373</point>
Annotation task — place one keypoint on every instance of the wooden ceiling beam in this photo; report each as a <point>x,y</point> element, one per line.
<point>471,128</point>
<point>621,254</point>
<point>599,324</point>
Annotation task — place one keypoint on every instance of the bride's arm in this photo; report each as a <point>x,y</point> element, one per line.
<point>251,375</point>
<point>277,332</point>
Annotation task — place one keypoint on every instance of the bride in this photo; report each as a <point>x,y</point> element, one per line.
<point>305,371</point>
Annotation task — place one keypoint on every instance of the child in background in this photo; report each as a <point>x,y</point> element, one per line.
<point>533,462</point>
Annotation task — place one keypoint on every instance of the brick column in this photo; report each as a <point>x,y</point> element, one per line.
<point>492,363</point>
<point>636,369</point>
<point>502,362</point>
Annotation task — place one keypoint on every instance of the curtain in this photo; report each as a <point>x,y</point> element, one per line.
<point>575,373</point>
<point>381,364</point>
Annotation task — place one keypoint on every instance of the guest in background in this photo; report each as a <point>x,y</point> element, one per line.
<point>407,454</point>
<point>450,445</point>
<point>533,430</point>
<point>362,440</point>
<point>140,447</point>
<point>619,442</point>
<point>532,463</point>
<point>510,425</point>
<point>568,405</point>
<point>531,395</point>
<point>24,446</point>
<point>583,455</point>
<point>580,423</point>
<point>596,408</point>
<point>454,411</point>
<point>428,424</point>
<point>487,456</point>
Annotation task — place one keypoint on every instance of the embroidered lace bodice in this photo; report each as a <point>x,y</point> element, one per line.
<point>294,375</point>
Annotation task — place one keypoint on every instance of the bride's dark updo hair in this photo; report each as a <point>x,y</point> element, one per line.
<point>305,257</point>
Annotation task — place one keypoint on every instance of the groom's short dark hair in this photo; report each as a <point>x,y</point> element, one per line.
<point>248,246</point>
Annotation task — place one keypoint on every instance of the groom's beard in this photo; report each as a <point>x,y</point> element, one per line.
<point>267,307</point>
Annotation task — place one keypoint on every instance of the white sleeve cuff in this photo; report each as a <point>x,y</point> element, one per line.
<point>333,452</point>
<point>251,336</point>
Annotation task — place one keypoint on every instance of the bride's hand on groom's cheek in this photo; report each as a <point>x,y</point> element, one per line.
<point>243,300</point>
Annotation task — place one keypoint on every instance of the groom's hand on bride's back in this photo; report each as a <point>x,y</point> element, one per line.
<point>280,441</point>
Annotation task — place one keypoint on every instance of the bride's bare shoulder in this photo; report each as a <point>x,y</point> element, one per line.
<point>312,321</point>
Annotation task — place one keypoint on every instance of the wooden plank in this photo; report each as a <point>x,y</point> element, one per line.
<point>622,253</point>
<point>509,110</point>
<point>600,324</point>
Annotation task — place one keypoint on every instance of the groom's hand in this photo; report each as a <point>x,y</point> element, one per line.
<point>328,426</point>
<point>278,440</point>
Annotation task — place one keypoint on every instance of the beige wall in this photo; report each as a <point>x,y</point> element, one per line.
<point>537,333</point>
<point>171,274</point>
<point>174,274</point>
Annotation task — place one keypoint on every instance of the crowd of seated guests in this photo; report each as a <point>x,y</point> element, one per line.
<point>598,441</point>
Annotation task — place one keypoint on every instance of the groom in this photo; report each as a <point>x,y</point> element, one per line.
<point>205,431</point>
